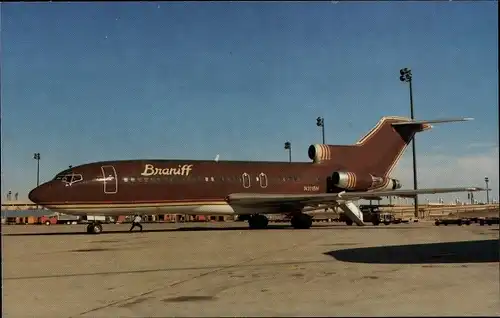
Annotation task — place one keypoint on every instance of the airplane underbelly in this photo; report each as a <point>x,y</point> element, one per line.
<point>216,208</point>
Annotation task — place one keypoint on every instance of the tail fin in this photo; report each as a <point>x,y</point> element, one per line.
<point>379,150</point>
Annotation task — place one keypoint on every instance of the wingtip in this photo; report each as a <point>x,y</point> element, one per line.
<point>468,118</point>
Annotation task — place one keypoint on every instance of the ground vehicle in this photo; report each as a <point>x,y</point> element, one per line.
<point>489,220</point>
<point>71,219</point>
<point>452,221</point>
<point>371,213</point>
<point>58,219</point>
<point>388,218</point>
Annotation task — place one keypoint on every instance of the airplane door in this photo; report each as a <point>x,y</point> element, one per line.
<point>110,179</point>
<point>246,180</point>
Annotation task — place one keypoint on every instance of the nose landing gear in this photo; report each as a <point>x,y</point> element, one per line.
<point>94,228</point>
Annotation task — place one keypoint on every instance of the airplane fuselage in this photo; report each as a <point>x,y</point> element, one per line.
<point>183,186</point>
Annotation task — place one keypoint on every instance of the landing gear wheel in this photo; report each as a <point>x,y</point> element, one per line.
<point>348,222</point>
<point>94,228</point>
<point>258,221</point>
<point>301,221</point>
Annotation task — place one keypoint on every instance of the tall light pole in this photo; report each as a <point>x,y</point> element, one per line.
<point>36,156</point>
<point>288,146</point>
<point>320,122</point>
<point>487,190</point>
<point>406,76</point>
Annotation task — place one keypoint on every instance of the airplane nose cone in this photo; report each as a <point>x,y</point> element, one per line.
<point>38,194</point>
<point>34,195</point>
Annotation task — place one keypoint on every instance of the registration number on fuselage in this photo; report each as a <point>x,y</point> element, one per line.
<point>310,188</point>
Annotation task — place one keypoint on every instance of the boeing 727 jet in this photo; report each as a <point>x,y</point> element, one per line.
<point>337,175</point>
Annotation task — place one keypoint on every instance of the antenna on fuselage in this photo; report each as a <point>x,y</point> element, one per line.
<point>217,158</point>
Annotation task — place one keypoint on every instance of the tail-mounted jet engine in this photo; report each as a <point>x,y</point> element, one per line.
<point>363,181</point>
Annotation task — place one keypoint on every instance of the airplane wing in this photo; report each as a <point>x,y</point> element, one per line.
<point>260,199</point>
<point>375,198</point>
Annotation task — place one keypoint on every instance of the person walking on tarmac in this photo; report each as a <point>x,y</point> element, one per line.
<point>136,222</point>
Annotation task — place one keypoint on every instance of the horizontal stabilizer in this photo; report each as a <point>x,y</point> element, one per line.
<point>433,121</point>
<point>408,193</point>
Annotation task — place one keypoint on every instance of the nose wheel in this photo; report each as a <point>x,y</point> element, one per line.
<point>94,228</point>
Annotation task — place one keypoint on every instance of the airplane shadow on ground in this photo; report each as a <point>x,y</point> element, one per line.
<point>481,251</point>
<point>244,227</point>
<point>181,229</point>
<point>108,229</point>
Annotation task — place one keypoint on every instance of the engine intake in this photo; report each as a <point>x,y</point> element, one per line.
<point>396,184</point>
<point>319,152</point>
<point>344,180</point>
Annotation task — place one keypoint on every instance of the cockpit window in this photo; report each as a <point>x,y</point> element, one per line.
<point>69,178</point>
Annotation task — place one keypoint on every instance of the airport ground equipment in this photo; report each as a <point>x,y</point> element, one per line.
<point>372,214</point>
<point>489,221</point>
<point>459,221</point>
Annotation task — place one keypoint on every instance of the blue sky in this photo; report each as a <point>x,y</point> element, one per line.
<point>98,81</point>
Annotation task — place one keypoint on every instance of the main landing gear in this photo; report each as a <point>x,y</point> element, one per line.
<point>298,221</point>
<point>94,228</point>
<point>301,221</point>
<point>258,221</point>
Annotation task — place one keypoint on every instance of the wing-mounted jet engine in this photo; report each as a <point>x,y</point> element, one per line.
<point>363,181</point>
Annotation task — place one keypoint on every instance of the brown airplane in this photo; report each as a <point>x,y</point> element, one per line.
<point>337,175</point>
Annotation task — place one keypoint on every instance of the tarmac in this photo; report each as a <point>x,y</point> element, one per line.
<point>225,269</point>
